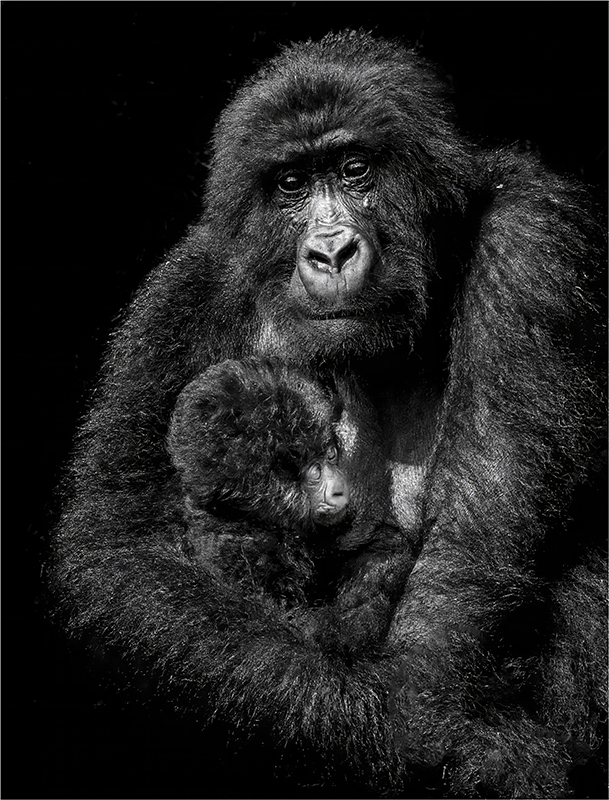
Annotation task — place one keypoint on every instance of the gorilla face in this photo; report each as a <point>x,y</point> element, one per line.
<point>327,221</point>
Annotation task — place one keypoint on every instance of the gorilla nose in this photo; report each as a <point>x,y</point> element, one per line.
<point>337,493</point>
<point>338,503</point>
<point>333,265</point>
<point>329,252</point>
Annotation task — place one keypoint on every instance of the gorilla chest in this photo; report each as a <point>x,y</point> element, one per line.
<point>391,435</point>
<point>408,429</point>
<point>406,497</point>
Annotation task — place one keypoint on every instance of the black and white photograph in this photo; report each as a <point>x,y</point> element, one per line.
<point>305,326</point>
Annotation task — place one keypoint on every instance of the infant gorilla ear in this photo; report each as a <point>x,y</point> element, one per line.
<point>256,438</point>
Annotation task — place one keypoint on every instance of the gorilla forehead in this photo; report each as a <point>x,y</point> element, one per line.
<point>311,146</point>
<point>345,82</point>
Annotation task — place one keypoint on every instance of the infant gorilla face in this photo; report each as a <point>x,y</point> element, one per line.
<point>327,488</point>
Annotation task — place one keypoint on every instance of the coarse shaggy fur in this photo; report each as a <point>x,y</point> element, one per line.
<point>241,437</point>
<point>475,350</point>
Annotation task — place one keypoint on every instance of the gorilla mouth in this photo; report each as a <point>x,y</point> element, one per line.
<point>331,315</point>
<point>328,314</point>
<point>330,515</point>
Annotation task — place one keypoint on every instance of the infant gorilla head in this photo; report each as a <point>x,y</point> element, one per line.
<point>255,440</point>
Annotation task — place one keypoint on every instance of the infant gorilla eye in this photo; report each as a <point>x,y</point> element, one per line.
<point>313,472</point>
<point>332,454</point>
<point>356,169</point>
<point>291,182</point>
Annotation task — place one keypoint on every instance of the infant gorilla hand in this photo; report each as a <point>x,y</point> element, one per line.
<point>373,579</point>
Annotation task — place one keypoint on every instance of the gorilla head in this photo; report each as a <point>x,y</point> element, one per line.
<point>328,190</point>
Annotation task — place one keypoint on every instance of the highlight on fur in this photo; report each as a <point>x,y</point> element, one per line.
<point>447,291</point>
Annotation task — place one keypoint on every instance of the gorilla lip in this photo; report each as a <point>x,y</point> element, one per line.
<point>328,514</point>
<point>344,314</point>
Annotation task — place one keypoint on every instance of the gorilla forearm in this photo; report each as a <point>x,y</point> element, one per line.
<point>216,652</point>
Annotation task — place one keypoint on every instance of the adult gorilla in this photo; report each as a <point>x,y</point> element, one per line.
<point>350,230</point>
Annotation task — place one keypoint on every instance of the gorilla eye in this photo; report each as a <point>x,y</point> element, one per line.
<point>332,454</point>
<point>291,182</point>
<point>313,473</point>
<point>355,169</point>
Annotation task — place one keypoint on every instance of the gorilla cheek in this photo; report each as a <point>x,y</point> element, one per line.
<point>333,264</point>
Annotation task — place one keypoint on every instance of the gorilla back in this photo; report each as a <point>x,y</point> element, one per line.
<point>350,230</point>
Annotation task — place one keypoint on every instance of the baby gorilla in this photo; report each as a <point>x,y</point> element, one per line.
<point>255,442</point>
<point>273,500</point>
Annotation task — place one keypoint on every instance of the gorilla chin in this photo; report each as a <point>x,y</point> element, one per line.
<point>310,339</point>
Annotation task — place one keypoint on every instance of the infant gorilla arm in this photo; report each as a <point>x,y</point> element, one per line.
<point>257,447</point>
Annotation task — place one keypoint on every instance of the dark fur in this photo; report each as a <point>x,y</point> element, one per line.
<point>478,357</point>
<point>241,436</point>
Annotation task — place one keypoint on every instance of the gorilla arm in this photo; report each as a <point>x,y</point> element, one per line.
<point>516,402</point>
<point>123,580</point>
<point>517,398</point>
<point>208,650</point>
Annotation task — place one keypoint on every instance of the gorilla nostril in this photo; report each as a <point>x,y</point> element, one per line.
<point>346,252</point>
<point>319,259</point>
<point>325,254</point>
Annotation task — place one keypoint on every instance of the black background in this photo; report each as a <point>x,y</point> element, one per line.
<point>107,108</point>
